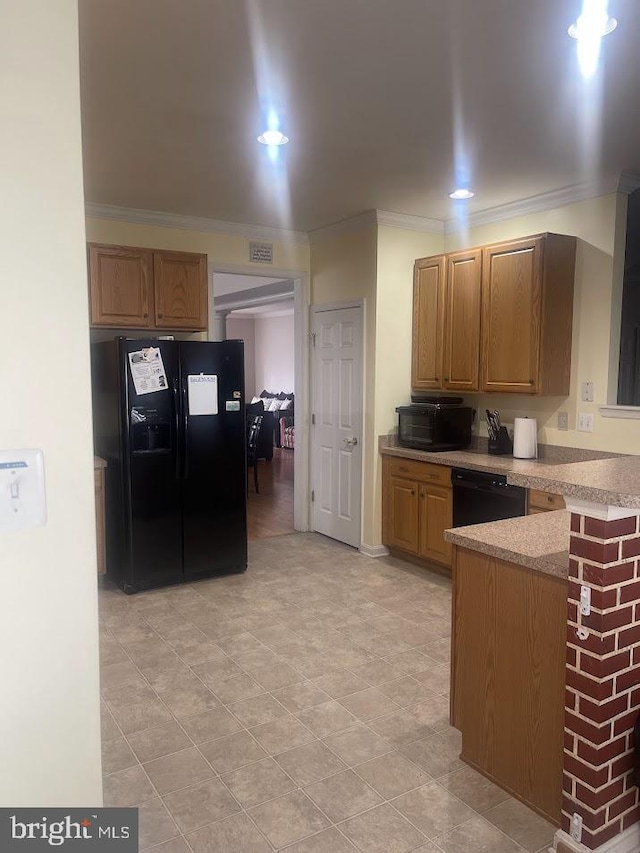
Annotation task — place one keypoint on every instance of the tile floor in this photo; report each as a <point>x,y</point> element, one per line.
<point>300,706</point>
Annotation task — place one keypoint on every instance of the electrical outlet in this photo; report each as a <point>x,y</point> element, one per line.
<point>563,420</point>
<point>576,827</point>
<point>587,391</point>
<point>585,422</point>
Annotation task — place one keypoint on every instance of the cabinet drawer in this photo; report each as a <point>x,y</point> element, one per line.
<point>545,500</point>
<point>423,472</point>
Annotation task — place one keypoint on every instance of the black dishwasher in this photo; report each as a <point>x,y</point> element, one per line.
<point>480,497</point>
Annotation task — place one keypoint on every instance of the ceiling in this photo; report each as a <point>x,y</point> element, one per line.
<point>388,104</point>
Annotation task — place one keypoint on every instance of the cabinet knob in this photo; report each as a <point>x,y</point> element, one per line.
<point>412,493</point>
<point>145,315</point>
<point>160,316</point>
<point>531,382</point>
<point>446,378</point>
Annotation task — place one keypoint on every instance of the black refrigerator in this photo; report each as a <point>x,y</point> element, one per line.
<point>169,419</point>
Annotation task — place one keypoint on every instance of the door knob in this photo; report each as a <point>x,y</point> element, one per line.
<point>351,441</point>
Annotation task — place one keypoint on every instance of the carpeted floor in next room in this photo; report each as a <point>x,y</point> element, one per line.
<point>302,705</point>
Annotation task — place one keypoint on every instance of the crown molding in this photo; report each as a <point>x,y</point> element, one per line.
<point>193,223</point>
<point>535,204</point>
<point>410,223</point>
<point>629,182</point>
<point>370,218</point>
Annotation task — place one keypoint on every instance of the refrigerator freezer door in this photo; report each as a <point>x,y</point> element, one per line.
<point>214,486</point>
<point>150,427</point>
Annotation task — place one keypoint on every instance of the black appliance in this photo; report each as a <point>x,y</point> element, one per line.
<point>435,424</point>
<point>479,497</point>
<point>176,479</point>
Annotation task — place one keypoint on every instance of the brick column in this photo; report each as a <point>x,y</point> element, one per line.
<point>603,675</point>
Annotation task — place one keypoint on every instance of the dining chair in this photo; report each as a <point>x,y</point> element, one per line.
<point>254,422</point>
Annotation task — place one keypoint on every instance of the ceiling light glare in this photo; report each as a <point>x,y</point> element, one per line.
<point>461,194</point>
<point>593,24</point>
<point>273,137</point>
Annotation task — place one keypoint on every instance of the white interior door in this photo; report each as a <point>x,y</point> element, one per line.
<point>336,443</point>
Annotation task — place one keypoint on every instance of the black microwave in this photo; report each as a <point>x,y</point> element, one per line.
<point>435,425</point>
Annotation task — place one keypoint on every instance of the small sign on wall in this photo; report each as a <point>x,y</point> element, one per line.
<point>260,253</point>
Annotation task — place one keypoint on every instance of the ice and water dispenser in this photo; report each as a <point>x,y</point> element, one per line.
<point>150,430</point>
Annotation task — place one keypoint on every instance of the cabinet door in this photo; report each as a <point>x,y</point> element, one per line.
<point>436,516</point>
<point>511,315</point>
<point>428,310</point>
<point>120,285</point>
<point>402,518</point>
<point>462,321</point>
<point>180,280</point>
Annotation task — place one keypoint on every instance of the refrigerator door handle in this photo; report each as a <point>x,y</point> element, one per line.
<point>176,418</point>
<point>185,410</point>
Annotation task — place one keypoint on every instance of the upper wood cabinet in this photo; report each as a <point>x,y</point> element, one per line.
<point>121,285</point>
<point>429,287</point>
<point>505,321</point>
<point>527,302</point>
<point>181,290</point>
<point>145,288</point>
<point>462,321</point>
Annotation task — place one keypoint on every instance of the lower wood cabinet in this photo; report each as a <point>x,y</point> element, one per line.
<point>403,514</point>
<point>508,675</point>
<point>417,508</point>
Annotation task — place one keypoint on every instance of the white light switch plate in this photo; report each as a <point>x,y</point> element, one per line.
<point>585,422</point>
<point>23,502</point>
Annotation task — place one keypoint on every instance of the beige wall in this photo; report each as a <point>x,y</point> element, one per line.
<point>275,353</point>
<point>396,251</point>
<point>49,712</point>
<point>599,224</point>
<point>343,268</point>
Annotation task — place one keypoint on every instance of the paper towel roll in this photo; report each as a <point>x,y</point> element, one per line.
<point>525,438</point>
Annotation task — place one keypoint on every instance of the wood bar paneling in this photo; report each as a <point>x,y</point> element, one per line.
<point>509,650</point>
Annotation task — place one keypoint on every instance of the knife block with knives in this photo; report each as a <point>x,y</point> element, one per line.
<point>499,442</point>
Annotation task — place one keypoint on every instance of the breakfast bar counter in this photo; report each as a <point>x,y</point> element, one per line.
<point>539,542</point>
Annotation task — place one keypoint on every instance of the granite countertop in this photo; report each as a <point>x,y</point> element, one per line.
<point>538,542</point>
<point>98,463</point>
<point>603,478</point>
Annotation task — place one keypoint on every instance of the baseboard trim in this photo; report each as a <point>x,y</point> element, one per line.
<point>627,842</point>
<point>373,550</point>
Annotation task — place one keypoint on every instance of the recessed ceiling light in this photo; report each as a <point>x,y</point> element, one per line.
<point>592,26</point>
<point>458,194</point>
<point>273,137</point>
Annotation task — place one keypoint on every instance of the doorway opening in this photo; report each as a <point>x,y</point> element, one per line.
<point>261,312</point>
